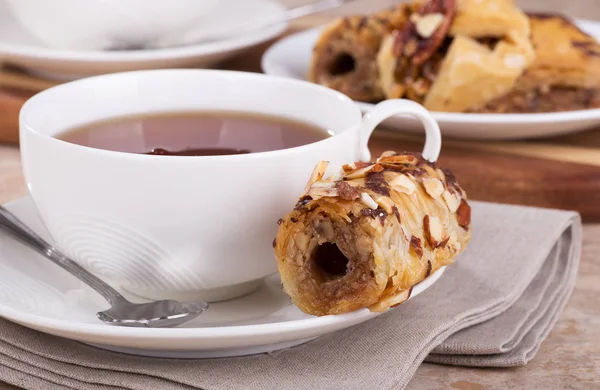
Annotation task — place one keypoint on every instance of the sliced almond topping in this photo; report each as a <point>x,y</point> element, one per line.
<point>427,24</point>
<point>415,244</point>
<point>463,214</point>
<point>452,201</point>
<point>316,175</point>
<point>377,168</point>
<point>434,231</point>
<point>399,159</point>
<point>402,183</point>
<point>320,192</point>
<point>440,174</point>
<point>359,173</point>
<point>368,201</point>
<point>348,167</point>
<point>339,175</point>
<point>434,187</point>
<point>323,184</point>
<point>386,203</point>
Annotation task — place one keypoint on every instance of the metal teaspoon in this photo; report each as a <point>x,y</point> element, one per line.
<point>158,314</point>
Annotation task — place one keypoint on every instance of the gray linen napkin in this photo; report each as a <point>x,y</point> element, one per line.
<point>493,307</point>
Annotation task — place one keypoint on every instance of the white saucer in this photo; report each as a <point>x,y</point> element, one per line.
<point>290,57</point>
<point>19,47</point>
<point>40,295</point>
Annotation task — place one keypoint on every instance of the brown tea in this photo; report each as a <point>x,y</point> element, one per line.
<point>196,133</point>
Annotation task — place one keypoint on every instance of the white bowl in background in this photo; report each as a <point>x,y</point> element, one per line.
<point>106,24</point>
<point>20,47</point>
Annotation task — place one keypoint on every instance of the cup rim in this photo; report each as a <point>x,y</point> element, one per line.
<point>30,104</point>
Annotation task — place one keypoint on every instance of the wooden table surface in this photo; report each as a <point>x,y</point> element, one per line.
<point>570,357</point>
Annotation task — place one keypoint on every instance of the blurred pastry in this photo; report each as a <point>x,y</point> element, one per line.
<point>565,74</point>
<point>465,53</point>
<point>344,55</point>
<point>368,236</point>
<point>409,58</point>
<point>462,56</point>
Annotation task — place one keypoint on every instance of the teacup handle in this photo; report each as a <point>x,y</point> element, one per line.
<point>388,108</point>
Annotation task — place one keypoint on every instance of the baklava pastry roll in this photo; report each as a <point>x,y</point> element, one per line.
<point>344,55</point>
<point>409,58</point>
<point>564,76</point>
<point>366,237</point>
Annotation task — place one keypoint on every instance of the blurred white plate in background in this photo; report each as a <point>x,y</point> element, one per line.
<point>290,57</point>
<point>21,48</point>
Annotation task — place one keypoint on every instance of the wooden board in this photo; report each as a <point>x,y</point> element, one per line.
<point>562,172</point>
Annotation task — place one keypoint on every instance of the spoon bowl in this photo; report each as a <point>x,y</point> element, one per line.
<point>157,314</point>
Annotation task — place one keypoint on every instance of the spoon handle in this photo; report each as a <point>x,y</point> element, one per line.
<point>12,225</point>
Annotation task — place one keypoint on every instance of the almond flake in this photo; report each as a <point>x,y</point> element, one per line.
<point>415,244</point>
<point>359,173</point>
<point>452,201</point>
<point>320,192</point>
<point>399,159</point>
<point>402,183</point>
<point>434,231</point>
<point>348,167</point>
<point>386,203</point>
<point>316,175</point>
<point>339,175</point>
<point>463,214</point>
<point>434,187</point>
<point>368,201</point>
<point>427,24</point>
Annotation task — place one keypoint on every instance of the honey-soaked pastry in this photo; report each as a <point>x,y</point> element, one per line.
<point>490,50</point>
<point>344,56</point>
<point>456,54</point>
<point>367,236</point>
<point>472,74</point>
<point>482,56</point>
<point>564,76</point>
<point>409,57</point>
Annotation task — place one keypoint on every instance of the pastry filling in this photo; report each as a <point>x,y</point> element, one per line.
<point>343,63</point>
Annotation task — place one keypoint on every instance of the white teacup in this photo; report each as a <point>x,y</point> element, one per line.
<point>176,226</point>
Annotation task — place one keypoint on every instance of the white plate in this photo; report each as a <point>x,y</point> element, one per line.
<point>39,295</point>
<point>19,47</point>
<point>290,58</point>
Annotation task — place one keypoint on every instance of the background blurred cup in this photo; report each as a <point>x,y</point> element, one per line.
<point>110,24</point>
